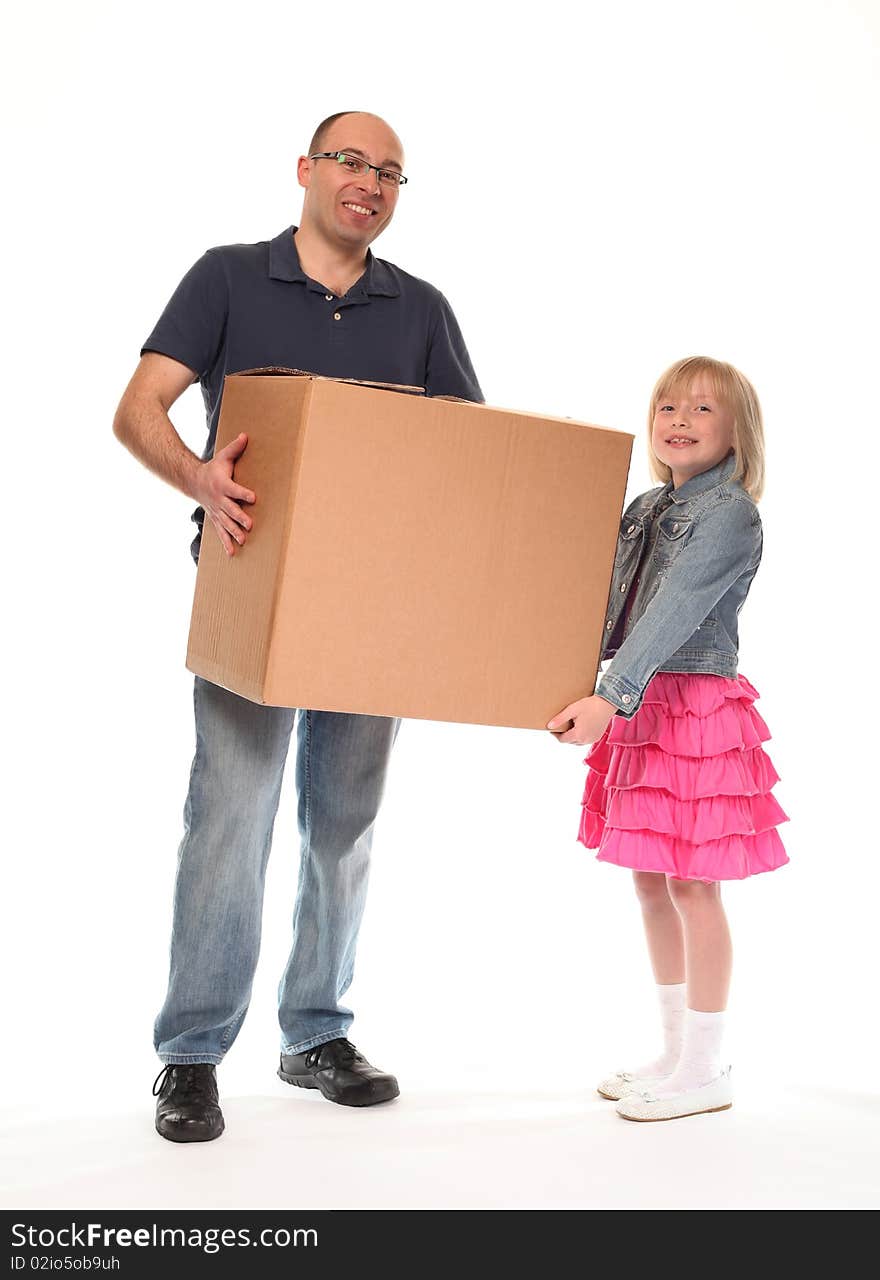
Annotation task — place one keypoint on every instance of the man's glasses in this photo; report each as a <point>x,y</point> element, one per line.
<point>355,164</point>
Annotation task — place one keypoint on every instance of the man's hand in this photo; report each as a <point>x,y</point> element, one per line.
<point>216,490</point>
<point>590,716</point>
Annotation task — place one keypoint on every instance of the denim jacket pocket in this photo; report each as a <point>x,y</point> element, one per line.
<point>674,533</point>
<point>674,528</point>
<point>630,528</point>
<point>630,539</point>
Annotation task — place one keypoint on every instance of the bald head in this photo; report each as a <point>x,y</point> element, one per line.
<point>325,136</point>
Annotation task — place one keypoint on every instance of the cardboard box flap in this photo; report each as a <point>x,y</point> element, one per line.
<point>278,370</point>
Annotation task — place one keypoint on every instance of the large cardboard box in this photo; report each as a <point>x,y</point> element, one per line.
<point>410,556</point>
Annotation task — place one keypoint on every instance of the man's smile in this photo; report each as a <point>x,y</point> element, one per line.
<point>361,209</point>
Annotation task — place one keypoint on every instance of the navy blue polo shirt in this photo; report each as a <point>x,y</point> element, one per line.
<point>242,306</point>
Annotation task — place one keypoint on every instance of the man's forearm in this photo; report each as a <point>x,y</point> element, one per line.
<point>146,431</point>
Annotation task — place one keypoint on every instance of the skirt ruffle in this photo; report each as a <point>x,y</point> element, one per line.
<point>684,787</point>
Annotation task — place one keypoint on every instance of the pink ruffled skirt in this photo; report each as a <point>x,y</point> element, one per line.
<point>684,787</point>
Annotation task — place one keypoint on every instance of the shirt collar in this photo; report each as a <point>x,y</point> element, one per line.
<point>701,483</point>
<point>284,265</point>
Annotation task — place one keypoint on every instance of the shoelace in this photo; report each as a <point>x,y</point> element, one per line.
<point>192,1082</point>
<point>343,1052</point>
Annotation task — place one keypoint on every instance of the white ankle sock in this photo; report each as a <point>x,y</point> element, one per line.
<point>673,1003</point>
<point>700,1059</point>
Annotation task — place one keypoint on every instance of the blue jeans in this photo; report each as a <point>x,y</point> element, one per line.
<point>235,782</point>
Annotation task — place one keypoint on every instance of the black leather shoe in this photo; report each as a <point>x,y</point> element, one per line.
<point>341,1073</point>
<point>188,1109</point>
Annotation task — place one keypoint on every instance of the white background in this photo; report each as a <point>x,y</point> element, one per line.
<point>598,190</point>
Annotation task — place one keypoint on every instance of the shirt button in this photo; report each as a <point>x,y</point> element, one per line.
<point>329,297</point>
<point>626,698</point>
<point>337,316</point>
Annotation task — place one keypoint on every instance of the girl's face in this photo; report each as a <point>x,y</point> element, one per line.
<point>693,430</point>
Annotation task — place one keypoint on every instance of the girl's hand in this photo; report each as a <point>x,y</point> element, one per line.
<point>590,716</point>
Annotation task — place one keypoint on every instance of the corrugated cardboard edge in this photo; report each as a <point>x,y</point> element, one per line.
<point>282,371</point>
<point>250,682</point>
<point>281,567</point>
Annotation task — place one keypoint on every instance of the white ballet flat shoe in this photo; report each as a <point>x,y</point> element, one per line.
<point>644,1105</point>
<point>621,1083</point>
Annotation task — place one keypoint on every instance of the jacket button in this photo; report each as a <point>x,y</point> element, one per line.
<point>631,528</point>
<point>623,586</point>
<point>675,528</point>
<point>608,626</point>
<point>626,698</point>
<point>329,297</point>
<point>337,316</point>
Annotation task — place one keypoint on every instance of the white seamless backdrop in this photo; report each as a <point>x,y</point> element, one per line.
<point>598,190</point>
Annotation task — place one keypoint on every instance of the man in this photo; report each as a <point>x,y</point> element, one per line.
<point>314,298</point>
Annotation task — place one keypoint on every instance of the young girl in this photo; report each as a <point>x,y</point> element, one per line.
<point>679,787</point>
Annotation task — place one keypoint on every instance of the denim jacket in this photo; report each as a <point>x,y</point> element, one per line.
<point>684,564</point>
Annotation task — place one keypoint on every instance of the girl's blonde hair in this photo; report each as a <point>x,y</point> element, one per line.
<point>738,394</point>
